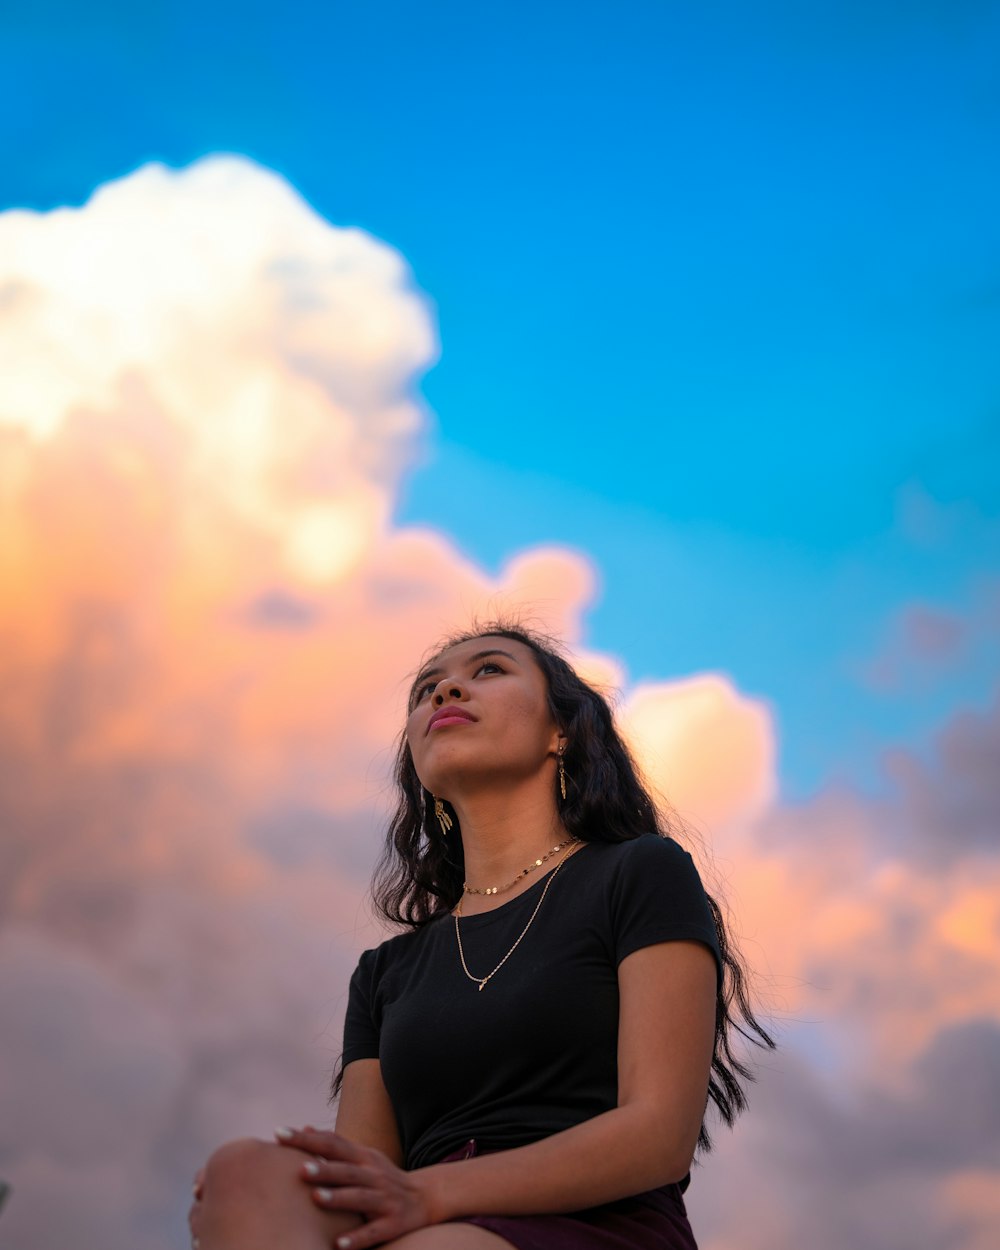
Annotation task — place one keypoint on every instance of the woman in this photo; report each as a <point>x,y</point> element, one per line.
<point>529,1064</point>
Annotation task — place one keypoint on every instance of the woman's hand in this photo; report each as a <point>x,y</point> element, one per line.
<point>349,1177</point>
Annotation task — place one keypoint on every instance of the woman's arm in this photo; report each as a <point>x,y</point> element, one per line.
<point>365,1114</point>
<point>666,1036</point>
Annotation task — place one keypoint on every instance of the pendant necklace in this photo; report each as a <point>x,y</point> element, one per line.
<point>482,982</point>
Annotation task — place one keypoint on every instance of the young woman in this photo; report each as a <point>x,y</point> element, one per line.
<point>528,1065</point>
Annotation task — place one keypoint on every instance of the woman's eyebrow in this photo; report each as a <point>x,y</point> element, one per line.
<point>480,655</point>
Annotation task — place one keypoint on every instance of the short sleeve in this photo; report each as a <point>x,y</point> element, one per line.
<point>361,1032</point>
<point>657,896</point>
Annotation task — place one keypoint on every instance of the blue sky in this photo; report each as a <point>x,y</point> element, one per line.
<point>718,289</point>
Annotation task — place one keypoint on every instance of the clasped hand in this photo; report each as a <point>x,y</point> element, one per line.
<point>347,1177</point>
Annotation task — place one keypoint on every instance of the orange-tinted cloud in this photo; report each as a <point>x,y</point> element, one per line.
<point>707,749</point>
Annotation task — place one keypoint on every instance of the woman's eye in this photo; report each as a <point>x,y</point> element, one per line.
<point>421,692</point>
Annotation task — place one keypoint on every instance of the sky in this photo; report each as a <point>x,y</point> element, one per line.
<point>324,329</point>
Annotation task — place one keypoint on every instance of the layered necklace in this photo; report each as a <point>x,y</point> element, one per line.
<point>537,863</point>
<point>572,844</point>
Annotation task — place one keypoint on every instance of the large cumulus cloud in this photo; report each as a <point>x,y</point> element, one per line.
<point>207,399</point>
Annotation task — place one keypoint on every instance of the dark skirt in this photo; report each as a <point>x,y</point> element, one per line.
<point>655,1220</point>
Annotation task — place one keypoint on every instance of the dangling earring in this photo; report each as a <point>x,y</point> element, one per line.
<point>562,776</point>
<point>443,819</point>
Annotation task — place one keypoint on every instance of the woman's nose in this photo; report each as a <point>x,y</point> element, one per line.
<point>447,688</point>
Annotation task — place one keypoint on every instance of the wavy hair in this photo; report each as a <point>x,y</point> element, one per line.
<point>420,875</point>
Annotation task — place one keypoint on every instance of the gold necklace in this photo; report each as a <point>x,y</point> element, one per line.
<point>481,981</point>
<point>499,889</point>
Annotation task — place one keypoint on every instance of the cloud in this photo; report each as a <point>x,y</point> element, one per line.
<point>707,749</point>
<point>208,399</point>
<point>923,642</point>
<point>863,1166</point>
<point>924,645</point>
<point>972,1196</point>
<point>949,820</point>
<point>874,1125</point>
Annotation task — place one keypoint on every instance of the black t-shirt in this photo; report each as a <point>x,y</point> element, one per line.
<point>535,1051</point>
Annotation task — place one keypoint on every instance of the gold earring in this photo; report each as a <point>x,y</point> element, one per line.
<point>562,776</point>
<point>443,819</point>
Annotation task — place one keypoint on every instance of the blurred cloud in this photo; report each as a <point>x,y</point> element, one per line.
<point>709,751</point>
<point>862,1166</point>
<point>875,925</point>
<point>207,400</point>
<point>924,642</point>
<point>950,803</point>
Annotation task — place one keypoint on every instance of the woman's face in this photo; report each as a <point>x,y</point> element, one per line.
<point>480,711</point>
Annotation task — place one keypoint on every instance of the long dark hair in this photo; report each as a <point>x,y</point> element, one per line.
<point>420,874</point>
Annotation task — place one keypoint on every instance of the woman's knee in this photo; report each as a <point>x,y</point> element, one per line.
<point>241,1165</point>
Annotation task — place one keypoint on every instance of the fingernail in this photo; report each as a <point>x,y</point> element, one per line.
<point>310,1168</point>
<point>286,1134</point>
<point>344,1243</point>
<point>324,1195</point>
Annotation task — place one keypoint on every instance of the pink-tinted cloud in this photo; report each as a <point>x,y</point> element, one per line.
<point>922,643</point>
<point>881,958</point>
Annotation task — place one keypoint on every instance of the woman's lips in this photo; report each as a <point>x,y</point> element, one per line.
<point>449,718</point>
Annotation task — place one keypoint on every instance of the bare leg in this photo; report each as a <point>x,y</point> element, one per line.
<point>455,1236</point>
<point>254,1198</point>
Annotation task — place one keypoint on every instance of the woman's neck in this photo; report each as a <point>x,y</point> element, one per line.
<point>505,831</point>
